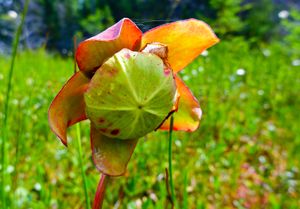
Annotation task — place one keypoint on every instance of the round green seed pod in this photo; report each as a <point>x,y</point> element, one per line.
<point>130,95</point>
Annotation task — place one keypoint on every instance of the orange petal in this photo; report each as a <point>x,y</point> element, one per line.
<point>188,114</point>
<point>111,155</point>
<point>185,39</point>
<point>92,52</point>
<point>68,106</point>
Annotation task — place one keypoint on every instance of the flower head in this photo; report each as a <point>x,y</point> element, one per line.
<point>127,86</point>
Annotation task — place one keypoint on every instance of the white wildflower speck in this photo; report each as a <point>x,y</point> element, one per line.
<point>289,174</point>
<point>266,52</point>
<point>295,169</point>
<point>236,203</point>
<point>12,14</point>
<point>241,72</point>
<point>260,92</point>
<point>138,203</point>
<point>153,196</point>
<point>7,188</point>
<point>53,181</point>
<point>37,106</point>
<point>10,169</point>
<point>29,81</point>
<point>262,159</point>
<point>292,183</point>
<point>296,62</point>
<point>37,186</point>
<point>194,72</point>
<point>271,127</point>
<point>198,112</point>
<point>59,154</point>
<point>200,69</point>
<point>232,78</point>
<point>178,143</point>
<point>21,194</point>
<point>53,203</point>
<point>267,187</point>
<point>225,162</point>
<point>203,157</point>
<point>204,53</point>
<point>283,14</point>
<point>160,177</point>
<point>291,190</point>
<point>186,77</point>
<point>243,96</point>
<point>15,102</point>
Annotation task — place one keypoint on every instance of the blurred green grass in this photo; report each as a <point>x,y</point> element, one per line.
<point>244,155</point>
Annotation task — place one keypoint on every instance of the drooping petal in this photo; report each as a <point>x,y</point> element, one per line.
<point>188,114</point>
<point>185,39</point>
<point>68,106</point>
<point>92,52</point>
<point>111,155</point>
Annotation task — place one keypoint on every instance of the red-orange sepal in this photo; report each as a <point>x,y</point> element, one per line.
<point>68,106</point>
<point>188,114</point>
<point>185,39</point>
<point>92,52</point>
<point>111,155</point>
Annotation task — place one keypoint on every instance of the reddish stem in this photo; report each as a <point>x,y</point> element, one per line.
<point>100,193</point>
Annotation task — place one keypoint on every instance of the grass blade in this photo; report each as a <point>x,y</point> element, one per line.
<point>6,104</point>
<point>170,159</point>
<point>87,199</point>
<point>79,148</point>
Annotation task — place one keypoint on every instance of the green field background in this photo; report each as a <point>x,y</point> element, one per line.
<point>245,154</point>
<point>246,151</point>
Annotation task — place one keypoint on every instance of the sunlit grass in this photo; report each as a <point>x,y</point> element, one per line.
<point>246,150</point>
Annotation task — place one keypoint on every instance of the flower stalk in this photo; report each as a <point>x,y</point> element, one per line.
<point>99,197</point>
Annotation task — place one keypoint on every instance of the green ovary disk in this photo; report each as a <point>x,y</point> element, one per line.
<point>130,95</point>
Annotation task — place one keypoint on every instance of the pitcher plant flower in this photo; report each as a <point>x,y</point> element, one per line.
<point>128,86</point>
